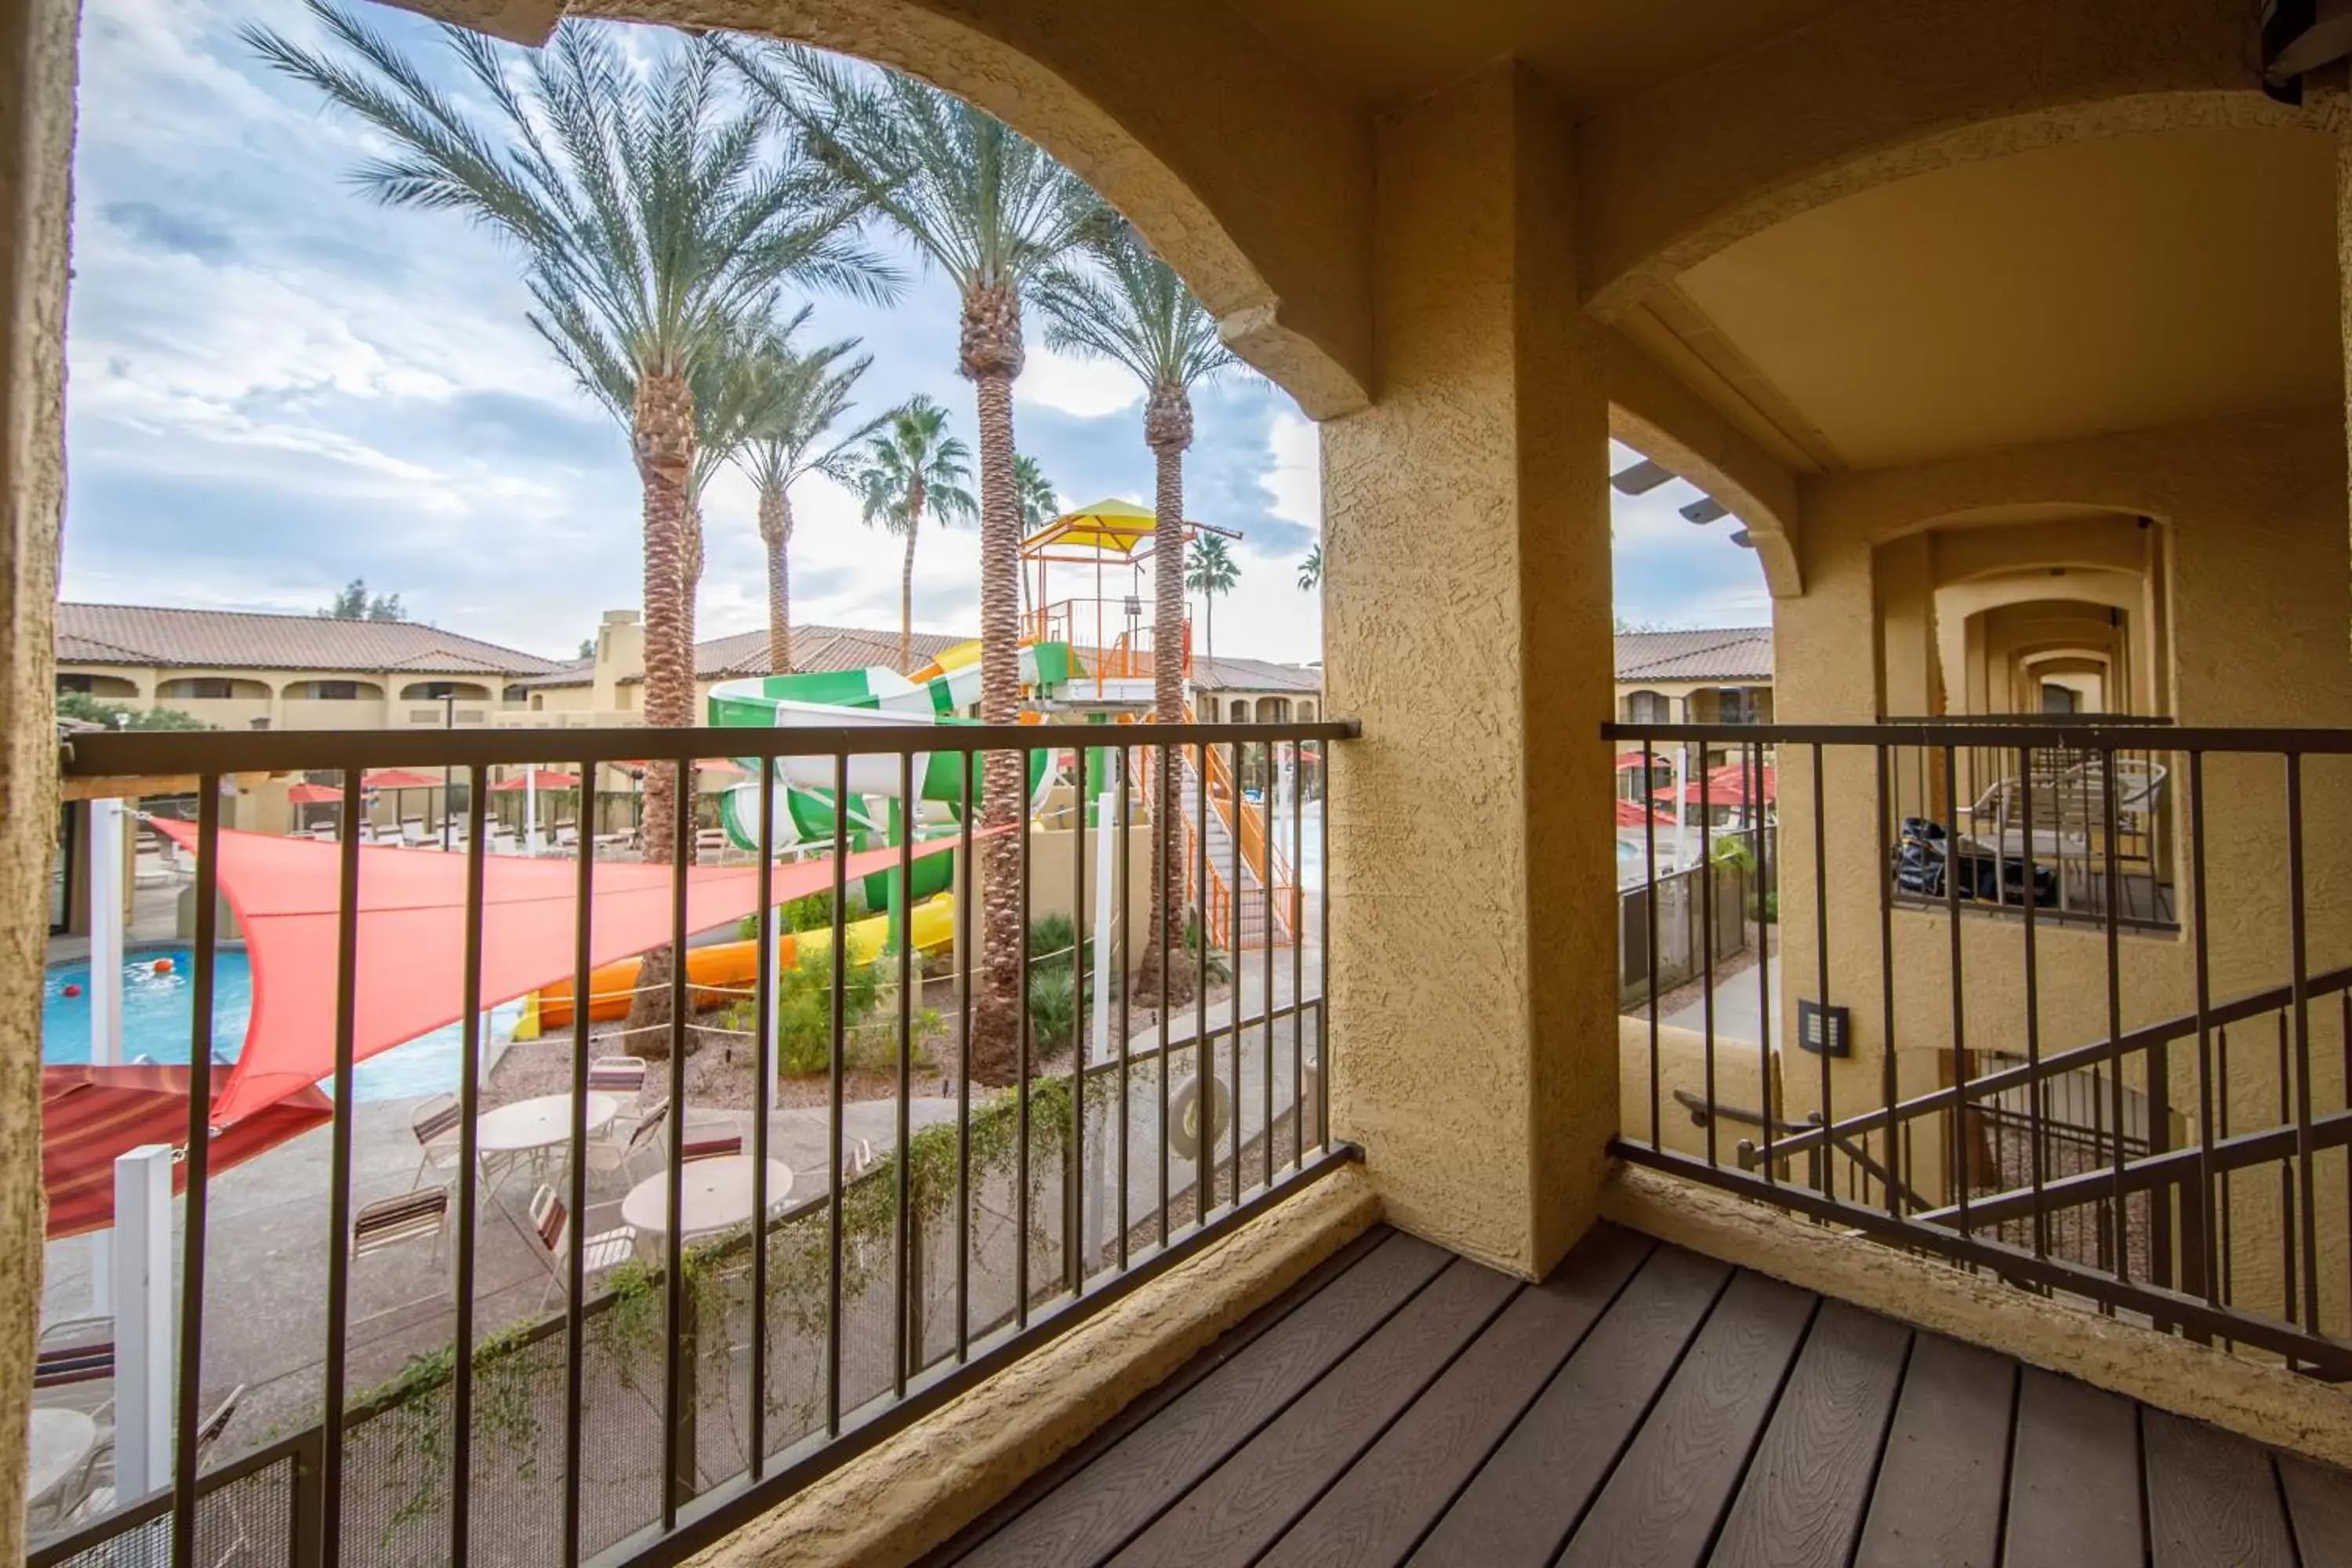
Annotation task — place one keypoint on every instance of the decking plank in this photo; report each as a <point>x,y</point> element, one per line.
<point>1518,1509</point>
<point>1661,1506</point>
<point>2319,1507</point>
<point>1245,1506</point>
<point>2073,1489</point>
<point>1801,1502</point>
<point>1390,1497</point>
<point>1145,1407</point>
<point>1095,1512</point>
<point>1937,1500</point>
<point>2212,1496</point>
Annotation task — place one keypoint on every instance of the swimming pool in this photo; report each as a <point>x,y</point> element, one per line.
<point>157,1006</point>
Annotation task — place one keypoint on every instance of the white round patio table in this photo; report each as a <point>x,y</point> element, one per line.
<point>543,1121</point>
<point>712,1195</point>
<point>58,1441</point>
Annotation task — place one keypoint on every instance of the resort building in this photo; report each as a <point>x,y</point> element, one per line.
<point>1717,676</point>
<point>2014,1221</point>
<point>1255,690</point>
<point>235,669</point>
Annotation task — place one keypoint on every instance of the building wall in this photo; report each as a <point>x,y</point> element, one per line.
<point>2253,509</point>
<point>281,696</point>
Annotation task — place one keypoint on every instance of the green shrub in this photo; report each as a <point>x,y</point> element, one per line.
<point>814,912</point>
<point>1214,970</point>
<point>1052,1010</point>
<point>91,709</point>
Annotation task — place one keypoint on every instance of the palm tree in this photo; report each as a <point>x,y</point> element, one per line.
<point>914,465</point>
<point>655,222</point>
<point>1133,309</point>
<point>1311,571</point>
<point>993,212</point>
<point>1212,571</point>
<point>798,400</point>
<point>1039,504</point>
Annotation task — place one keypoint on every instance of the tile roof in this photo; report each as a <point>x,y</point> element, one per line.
<point>1254,675</point>
<point>237,639</point>
<point>815,650</point>
<point>1720,653</point>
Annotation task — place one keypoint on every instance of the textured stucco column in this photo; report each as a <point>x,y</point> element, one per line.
<point>36,85</point>
<point>1473,965</point>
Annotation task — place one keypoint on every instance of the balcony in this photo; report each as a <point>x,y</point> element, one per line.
<point>1152,1235</point>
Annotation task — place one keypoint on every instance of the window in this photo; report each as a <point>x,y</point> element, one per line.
<point>2057,699</point>
<point>212,688</point>
<point>85,684</point>
<point>333,691</point>
<point>1735,705</point>
<point>1649,708</point>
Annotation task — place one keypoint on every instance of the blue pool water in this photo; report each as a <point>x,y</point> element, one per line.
<point>157,1009</point>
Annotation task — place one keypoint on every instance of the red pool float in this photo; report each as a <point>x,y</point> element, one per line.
<point>73,990</point>
<point>161,966</point>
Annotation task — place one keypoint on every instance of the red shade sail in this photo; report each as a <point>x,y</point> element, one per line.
<point>1633,814</point>
<point>400,778</point>
<point>409,978</point>
<point>1727,785</point>
<point>92,1115</point>
<point>539,778</point>
<point>314,794</point>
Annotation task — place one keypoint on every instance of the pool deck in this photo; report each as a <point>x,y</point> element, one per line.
<point>264,1285</point>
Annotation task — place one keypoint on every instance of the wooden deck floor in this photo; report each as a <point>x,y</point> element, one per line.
<point>1645,1406</point>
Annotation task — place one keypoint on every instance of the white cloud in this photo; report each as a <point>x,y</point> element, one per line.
<point>1088,388</point>
<point>1296,479</point>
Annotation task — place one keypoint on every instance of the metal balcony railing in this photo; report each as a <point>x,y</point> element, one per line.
<point>2093,1095</point>
<point>691,1381</point>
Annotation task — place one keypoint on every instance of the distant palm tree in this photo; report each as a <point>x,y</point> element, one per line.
<point>1132,309</point>
<point>1039,504</point>
<point>1311,571</point>
<point>993,212</point>
<point>655,223</point>
<point>1212,571</point>
<point>799,400</point>
<point>914,466</point>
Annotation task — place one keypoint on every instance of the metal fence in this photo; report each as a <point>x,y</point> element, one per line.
<point>2150,1116</point>
<point>1692,927</point>
<point>648,1419</point>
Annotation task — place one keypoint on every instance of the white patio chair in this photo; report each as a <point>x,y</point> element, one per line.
<point>551,1225</point>
<point>623,1078</point>
<point>396,1221</point>
<point>619,1151</point>
<point>411,830</point>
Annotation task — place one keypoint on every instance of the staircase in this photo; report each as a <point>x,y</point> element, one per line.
<point>1222,908</point>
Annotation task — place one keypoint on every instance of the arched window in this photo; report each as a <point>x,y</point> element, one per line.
<point>1649,708</point>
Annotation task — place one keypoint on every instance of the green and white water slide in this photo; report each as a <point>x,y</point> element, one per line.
<point>874,812</point>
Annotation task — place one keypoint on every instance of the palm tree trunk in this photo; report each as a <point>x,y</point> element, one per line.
<point>915,499</point>
<point>776,533</point>
<point>662,434</point>
<point>1168,428</point>
<point>992,356</point>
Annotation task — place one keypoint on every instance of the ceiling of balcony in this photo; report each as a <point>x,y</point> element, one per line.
<point>1384,51</point>
<point>2104,286</point>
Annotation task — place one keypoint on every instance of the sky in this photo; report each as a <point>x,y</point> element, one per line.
<point>275,385</point>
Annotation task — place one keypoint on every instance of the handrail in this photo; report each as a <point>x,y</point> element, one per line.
<point>132,753</point>
<point>1950,733</point>
<point>2181,1026</point>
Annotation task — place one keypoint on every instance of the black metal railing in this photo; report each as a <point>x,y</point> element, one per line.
<point>2148,1115</point>
<point>692,1382</point>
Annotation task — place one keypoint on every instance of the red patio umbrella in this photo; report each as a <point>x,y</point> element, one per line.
<point>1633,814</point>
<point>1727,785</point>
<point>540,778</point>
<point>399,779</point>
<point>314,794</point>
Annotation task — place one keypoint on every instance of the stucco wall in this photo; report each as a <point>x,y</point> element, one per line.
<point>36,109</point>
<point>2254,511</point>
<point>1471,970</point>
